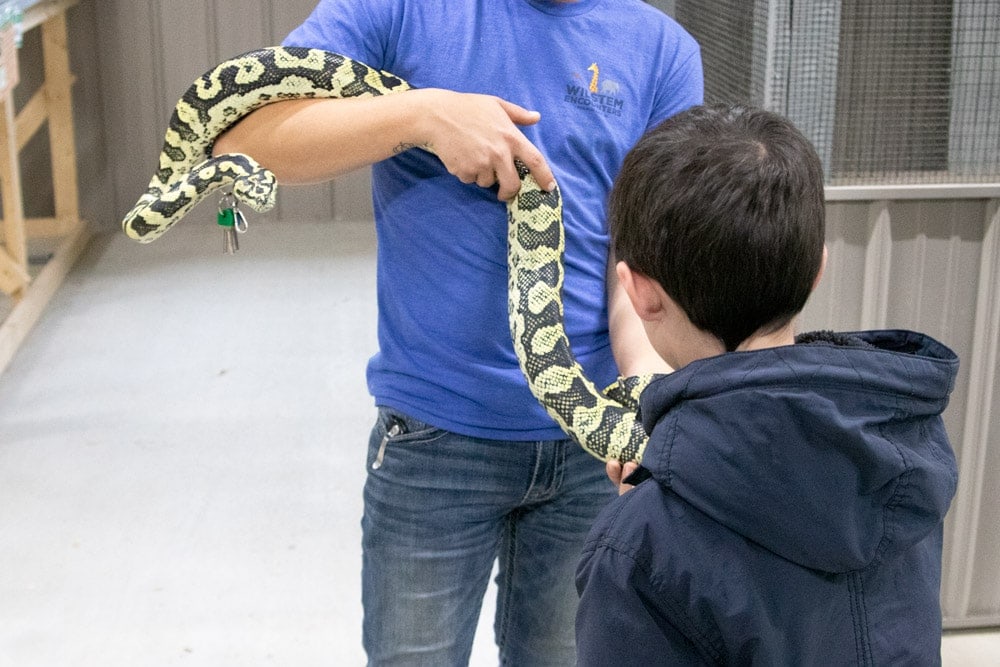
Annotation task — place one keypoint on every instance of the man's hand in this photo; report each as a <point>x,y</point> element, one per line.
<point>617,472</point>
<point>477,138</point>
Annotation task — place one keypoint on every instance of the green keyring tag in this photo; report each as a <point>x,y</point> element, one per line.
<point>226,217</point>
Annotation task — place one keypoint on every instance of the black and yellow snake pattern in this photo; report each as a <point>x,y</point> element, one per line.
<point>602,422</point>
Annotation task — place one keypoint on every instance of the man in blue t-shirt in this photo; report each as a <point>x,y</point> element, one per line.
<point>465,467</point>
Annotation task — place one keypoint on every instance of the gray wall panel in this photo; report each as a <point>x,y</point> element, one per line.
<point>131,99</point>
<point>932,265</point>
<point>971,593</point>
<point>836,301</point>
<point>92,144</point>
<point>141,86</point>
<point>238,26</point>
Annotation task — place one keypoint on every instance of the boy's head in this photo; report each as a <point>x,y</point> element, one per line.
<point>723,207</point>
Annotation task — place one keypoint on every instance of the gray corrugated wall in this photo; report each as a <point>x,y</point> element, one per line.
<point>151,52</point>
<point>932,265</point>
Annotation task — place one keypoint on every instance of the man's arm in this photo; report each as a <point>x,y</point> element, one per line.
<point>308,141</point>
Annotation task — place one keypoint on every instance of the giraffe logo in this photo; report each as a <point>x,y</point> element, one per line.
<point>595,93</point>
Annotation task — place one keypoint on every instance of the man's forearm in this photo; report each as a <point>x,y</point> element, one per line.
<point>315,140</point>
<point>477,137</point>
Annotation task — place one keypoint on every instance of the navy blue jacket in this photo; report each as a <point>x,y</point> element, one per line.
<point>794,515</point>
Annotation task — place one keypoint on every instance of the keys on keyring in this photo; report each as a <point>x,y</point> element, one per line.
<point>232,221</point>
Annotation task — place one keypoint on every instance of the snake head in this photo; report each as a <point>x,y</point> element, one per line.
<point>257,190</point>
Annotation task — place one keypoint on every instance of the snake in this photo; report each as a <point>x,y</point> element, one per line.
<point>602,421</point>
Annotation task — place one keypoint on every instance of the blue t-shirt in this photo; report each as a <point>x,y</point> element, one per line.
<point>601,72</point>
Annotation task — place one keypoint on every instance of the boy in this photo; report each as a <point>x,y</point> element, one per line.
<point>794,515</point>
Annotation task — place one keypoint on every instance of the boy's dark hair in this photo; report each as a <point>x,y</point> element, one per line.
<point>723,206</point>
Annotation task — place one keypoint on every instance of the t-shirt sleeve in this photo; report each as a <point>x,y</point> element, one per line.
<point>683,85</point>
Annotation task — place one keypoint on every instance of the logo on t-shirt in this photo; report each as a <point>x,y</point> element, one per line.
<point>595,92</point>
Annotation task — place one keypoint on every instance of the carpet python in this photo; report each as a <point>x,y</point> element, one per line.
<point>603,422</point>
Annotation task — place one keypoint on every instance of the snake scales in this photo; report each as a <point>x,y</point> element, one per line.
<point>603,423</point>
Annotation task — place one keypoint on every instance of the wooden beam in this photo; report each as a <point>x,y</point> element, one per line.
<point>13,276</point>
<point>45,228</point>
<point>15,241</point>
<point>49,228</point>
<point>41,12</point>
<point>19,322</point>
<point>31,118</point>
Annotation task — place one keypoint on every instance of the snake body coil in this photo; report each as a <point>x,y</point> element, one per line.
<point>603,423</point>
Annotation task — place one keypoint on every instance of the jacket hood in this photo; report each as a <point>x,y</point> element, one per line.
<point>831,454</point>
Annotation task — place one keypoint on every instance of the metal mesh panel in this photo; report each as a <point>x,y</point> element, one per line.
<point>974,135</point>
<point>893,109</point>
<point>728,27</point>
<point>899,91</point>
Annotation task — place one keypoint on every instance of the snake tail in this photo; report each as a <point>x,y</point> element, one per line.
<point>605,427</point>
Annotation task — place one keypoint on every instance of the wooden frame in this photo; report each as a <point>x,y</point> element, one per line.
<point>51,103</point>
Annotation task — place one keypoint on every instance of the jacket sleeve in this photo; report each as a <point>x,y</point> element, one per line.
<point>621,620</point>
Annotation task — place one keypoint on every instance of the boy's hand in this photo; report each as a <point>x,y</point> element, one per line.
<point>617,472</point>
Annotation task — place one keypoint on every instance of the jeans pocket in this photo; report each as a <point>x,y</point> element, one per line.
<point>395,428</point>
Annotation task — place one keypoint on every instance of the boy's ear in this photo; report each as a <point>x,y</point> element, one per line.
<point>822,268</point>
<point>644,292</point>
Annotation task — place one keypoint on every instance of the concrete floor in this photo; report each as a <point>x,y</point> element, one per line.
<point>182,456</point>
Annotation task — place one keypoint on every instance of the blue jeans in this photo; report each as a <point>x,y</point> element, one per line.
<point>439,509</point>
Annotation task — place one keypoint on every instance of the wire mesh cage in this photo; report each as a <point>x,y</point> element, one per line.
<point>890,92</point>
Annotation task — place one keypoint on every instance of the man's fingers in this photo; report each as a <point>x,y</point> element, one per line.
<point>538,167</point>
<point>485,152</point>
<point>508,181</point>
<point>526,151</point>
<point>518,114</point>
